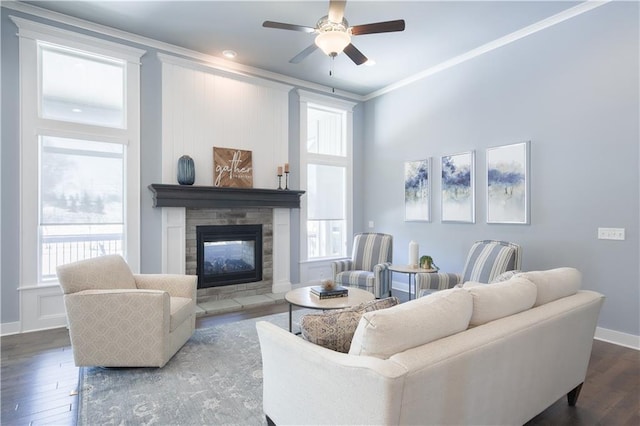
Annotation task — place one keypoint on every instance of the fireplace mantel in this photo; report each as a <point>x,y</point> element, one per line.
<point>165,195</point>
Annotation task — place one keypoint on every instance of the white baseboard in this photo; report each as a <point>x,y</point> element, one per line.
<point>618,338</point>
<point>400,286</point>
<point>8,328</point>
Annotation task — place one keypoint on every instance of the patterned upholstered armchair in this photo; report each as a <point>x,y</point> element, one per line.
<point>120,319</point>
<point>486,260</point>
<point>368,267</point>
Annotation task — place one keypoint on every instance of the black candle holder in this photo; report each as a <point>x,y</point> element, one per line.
<point>280,182</point>
<point>286,181</point>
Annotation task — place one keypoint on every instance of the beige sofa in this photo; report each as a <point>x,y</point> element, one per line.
<point>120,319</point>
<point>494,354</point>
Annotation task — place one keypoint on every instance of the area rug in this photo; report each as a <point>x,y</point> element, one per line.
<point>215,379</point>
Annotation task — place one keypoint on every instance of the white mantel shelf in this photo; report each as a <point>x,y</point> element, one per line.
<point>165,195</point>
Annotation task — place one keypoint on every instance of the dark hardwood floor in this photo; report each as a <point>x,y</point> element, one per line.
<point>39,380</point>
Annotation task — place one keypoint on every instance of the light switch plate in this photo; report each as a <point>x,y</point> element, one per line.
<point>611,233</point>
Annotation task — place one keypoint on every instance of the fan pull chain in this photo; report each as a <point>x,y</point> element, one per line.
<point>333,58</point>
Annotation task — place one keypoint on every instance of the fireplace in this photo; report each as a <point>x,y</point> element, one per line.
<point>228,254</point>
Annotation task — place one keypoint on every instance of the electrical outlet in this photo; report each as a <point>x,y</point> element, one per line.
<point>611,233</point>
<point>370,224</point>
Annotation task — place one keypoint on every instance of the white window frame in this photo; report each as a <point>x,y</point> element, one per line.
<point>343,107</point>
<point>32,126</point>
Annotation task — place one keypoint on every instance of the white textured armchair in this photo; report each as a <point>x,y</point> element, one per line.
<point>120,319</point>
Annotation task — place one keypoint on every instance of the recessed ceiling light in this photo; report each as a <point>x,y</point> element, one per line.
<point>229,54</point>
<point>370,62</point>
<point>76,110</point>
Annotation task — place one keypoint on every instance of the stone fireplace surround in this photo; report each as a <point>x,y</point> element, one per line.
<point>184,207</point>
<point>238,216</point>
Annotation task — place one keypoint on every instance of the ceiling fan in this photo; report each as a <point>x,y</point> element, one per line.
<point>334,33</point>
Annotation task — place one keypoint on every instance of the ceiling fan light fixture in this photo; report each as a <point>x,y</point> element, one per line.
<point>333,42</point>
<point>230,54</point>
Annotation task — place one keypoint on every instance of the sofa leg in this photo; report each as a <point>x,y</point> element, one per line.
<point>269,421</point>
<point>572,396</point>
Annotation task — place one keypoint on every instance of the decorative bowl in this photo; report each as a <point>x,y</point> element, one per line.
<point>328,284</point>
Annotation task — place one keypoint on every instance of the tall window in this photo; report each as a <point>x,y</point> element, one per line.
<point>80,150</point>
<point>81,201</point>
<point>326,163</point>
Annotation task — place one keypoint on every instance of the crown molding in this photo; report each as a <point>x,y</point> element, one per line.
<point>492,45</point>
<point>36,30</point>
<point>306,96</point>
<point>215,62</point>
<point>222,71</point>
<point>236,68</point>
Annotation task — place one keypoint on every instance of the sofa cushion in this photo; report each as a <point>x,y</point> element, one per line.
<point>180,309</point>
<point>494,301</point>
<point>100,273</point>
<point>554,283</point>
<point>419,321</point>
<point>334,329</point>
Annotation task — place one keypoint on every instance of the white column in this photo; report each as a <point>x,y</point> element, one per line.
<point>281,250</point>
<point>173,240</point>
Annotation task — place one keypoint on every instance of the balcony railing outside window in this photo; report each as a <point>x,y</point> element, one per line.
<point>60,249</point>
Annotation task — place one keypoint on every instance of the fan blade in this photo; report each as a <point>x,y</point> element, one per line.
<point>281,26</point>
<point>354,54</point>
<point>336,10</point>
<point>306,52</point>
<point>378,27</point>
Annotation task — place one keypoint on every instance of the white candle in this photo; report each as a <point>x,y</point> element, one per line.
<point>414,249</point>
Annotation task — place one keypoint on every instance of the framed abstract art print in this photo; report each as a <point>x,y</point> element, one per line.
<point>417,190</point>
<point>458,187</point>
<point>508,184</point>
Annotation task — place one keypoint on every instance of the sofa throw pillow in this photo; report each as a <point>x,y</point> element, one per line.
<point>505,276</point>
<point>470,284</point>
<point>499,300</point>
<point>384,333</point>
<point>334,329</point>
<point>554,283</point>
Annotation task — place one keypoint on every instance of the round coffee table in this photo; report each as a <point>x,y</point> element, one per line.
<point>302,297</point>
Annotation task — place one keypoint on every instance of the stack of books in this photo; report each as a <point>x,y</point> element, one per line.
<point>322,293</point>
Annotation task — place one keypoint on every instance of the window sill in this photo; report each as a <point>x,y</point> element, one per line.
<point>323,259</point>
<point>40,286</point>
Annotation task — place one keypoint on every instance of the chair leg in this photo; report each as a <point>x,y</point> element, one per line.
<point>572,396</point>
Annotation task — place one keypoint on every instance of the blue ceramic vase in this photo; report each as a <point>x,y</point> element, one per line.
<point>186,171</point>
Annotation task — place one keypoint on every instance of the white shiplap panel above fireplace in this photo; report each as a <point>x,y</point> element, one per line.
<point>204,107</point>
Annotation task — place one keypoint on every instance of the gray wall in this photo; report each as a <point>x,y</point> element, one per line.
<point>572,90</point>
<point>294,164</point>
<point>150,162</point>
<point>10,172</point>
